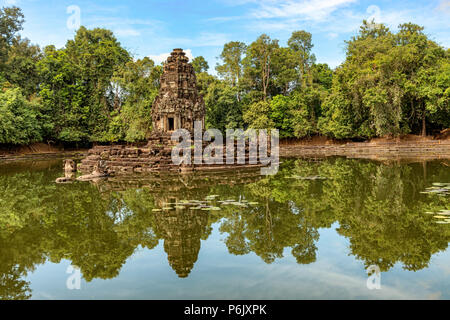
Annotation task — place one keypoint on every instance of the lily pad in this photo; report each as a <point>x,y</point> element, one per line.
<point>211,209</point>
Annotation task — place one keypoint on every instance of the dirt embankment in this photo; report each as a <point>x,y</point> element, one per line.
<point>37,150</point>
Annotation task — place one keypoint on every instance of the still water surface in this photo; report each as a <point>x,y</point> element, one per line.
<point>310,232</point>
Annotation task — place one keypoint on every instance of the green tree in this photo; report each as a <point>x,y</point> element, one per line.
<point>21,66</point>
<point>387,85</point>
<point>301,43</point>
<point>19,123</point>
<point>259,65</point>
<point>223,110</point>
<point>77,82</point>
<point>257,116</point>
<point>135,87</point>
<point>232,67</point>
<point>11,21</point>
<point>200,64</point>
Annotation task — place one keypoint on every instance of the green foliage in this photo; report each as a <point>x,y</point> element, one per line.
<point>200,64</point>
<point>135,87</point>
<point>232,67</point>
<point>387,85</point>
<point>223,110</point>
<point>19,118</point>
<point>93,91</point>
<point>77,88</point>
<point>21,66</point>
<point>257,116</point>
<point>297,115</point>
<point>301,43</point>
<point>204,81</point>
<point>11,21</point>
<point>258,64</point>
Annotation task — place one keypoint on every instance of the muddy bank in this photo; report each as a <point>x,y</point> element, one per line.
<point>38,151</point>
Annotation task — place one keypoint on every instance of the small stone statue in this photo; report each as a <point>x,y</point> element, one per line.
<point>101,170</point>
<point>69,168</point>
<point>69,165</point>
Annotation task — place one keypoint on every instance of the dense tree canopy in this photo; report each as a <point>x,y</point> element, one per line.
<point>92,90</point>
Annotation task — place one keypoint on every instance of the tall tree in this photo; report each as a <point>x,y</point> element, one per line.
<point>21,66</point>
<point>11,21</point>
<point>231,69</point>
<point>200,64</point>
<point>301,43</point>
<point>77,79</point>
<point>135,85</point>
<point>258,70</point>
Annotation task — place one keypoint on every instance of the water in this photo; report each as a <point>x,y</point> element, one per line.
<point>310,232</point>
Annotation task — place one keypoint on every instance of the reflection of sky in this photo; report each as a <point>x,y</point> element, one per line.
<point>220,275</point>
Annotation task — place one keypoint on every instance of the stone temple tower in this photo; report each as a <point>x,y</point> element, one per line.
<point>178,104</point>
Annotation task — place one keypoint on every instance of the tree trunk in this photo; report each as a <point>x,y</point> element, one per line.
<point>424,125</point>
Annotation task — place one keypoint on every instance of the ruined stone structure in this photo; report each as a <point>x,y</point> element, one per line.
<point>178,104</point>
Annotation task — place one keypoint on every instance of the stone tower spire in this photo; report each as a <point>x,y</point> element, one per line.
<point>178,103</point>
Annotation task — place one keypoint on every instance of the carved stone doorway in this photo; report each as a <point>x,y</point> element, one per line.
<point>171,124</point>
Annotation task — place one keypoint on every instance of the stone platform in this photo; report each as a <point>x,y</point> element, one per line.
<point>155,157</point>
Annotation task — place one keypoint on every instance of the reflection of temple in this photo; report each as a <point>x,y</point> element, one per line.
<point>167,183</point>
<point>182,231</point>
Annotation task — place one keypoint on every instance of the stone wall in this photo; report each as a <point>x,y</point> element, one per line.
<point>156,156</point>
<point>415,150</point>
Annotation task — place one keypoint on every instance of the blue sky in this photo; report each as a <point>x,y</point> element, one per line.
<point>154,27</point>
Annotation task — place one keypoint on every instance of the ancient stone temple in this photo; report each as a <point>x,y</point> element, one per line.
<point>178,104</point>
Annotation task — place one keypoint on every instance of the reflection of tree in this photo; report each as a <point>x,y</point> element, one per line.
<point>12,287</point>
<point>378,207</point>
<point>389,225</point>
<point>270,227</point>
<point>97,227</point>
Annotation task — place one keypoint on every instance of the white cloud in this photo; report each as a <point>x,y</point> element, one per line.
<point>333,35</point>
<point>10,2</point>
<point>316,10</point>
<point>126,32</point>
<point>159,58</point>
<point>444,6</point>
